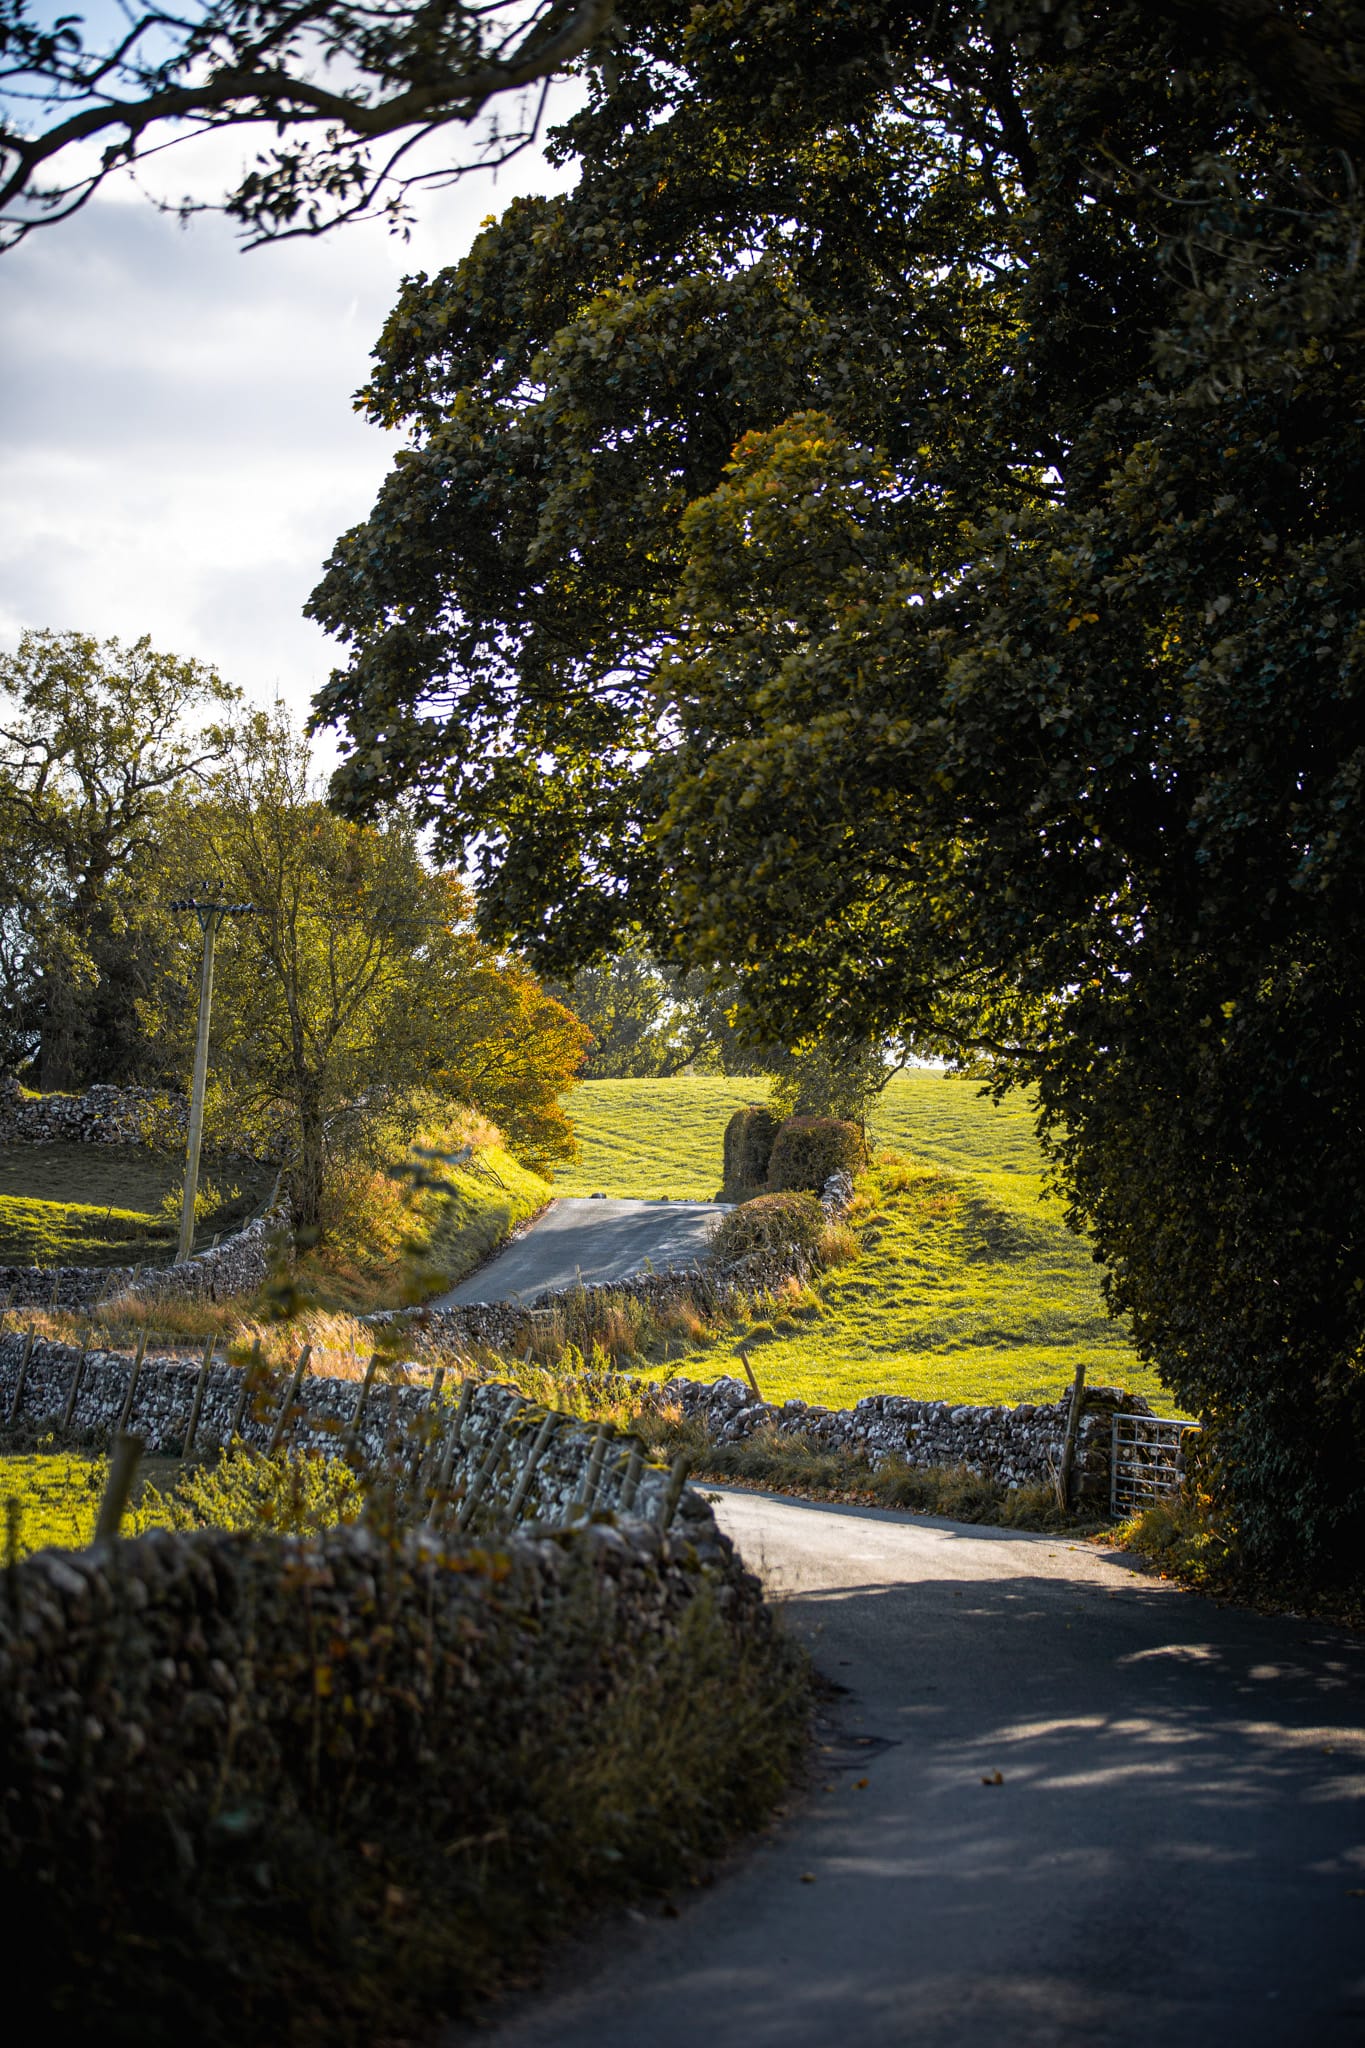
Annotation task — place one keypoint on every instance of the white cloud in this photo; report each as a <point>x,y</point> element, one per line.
<point>178,446</point>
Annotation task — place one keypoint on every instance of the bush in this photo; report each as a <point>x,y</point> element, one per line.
<point>772,1223</point>
<point>808,1149</point>
<point>749,1139</point>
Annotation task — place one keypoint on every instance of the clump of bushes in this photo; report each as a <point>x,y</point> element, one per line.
<point>771,1223</point>
<point>808,1149</point>
<point>749,1139</point>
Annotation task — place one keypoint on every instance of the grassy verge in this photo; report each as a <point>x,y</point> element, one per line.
<point>103,1205</point>
<point>967,1287</point>
<point>399,1232</point>
<point>1187,1540</point>
<point>776,1462</point>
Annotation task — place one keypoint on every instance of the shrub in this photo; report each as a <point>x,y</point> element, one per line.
<point>771,1223</point>
<point>808,1149</point>
<point>749,1139</point>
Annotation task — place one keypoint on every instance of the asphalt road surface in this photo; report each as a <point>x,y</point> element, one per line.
<point>1174,1856</point>
<point>594,1240</point>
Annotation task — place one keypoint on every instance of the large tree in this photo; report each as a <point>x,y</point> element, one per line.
<point>355,993</point>
<point>97,741</point>
<point>892,532</point>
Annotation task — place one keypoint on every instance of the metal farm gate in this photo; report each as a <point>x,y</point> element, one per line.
<point>1147,1461</point>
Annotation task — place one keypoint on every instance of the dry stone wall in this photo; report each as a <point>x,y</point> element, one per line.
<point>1018,1446</point>
<point>103,1115</point>
<point>230,1761</point>
<point>399,1424</point>
<point>236,1266</point>
<point>106,1115</point>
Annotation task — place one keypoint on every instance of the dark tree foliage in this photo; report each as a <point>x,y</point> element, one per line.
<point>99,744</point>
<point>892,533</point>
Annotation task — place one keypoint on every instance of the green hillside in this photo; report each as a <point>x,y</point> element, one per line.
<point>969,1288</point>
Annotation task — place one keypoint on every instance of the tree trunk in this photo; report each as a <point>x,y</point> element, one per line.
<point>305,1175</point>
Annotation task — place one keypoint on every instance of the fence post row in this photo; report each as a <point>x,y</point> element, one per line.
<point>479,1484</point>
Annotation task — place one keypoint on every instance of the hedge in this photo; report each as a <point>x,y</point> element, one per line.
<point>808,1149</point>
<point>749,1139</point>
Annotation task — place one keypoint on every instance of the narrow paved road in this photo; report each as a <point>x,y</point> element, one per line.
<point>595,1239</point>
<point>1175,1854</point>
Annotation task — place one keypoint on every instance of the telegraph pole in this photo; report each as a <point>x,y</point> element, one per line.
<point>210,910</point>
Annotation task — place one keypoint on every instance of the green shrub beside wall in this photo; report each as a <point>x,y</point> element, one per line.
<point>749,1139</point>
<point>808,1149</point>
<point>771,1223</point>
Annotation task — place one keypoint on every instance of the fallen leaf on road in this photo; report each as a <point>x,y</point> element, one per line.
<point>994,1779</point>
<point>808,1877</point>
<point>860,1784</point>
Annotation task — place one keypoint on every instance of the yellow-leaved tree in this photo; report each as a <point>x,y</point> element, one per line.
<point>356,991</point>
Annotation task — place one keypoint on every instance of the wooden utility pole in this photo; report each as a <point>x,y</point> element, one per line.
<point>210,911</point>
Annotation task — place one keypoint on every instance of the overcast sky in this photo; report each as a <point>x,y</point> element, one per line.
<point>178,449</point>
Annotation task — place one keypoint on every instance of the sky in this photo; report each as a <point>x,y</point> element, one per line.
<point>178,444</point>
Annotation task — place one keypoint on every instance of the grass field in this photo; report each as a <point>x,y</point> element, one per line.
<point>99,1205</point>
<point>969,1288</point>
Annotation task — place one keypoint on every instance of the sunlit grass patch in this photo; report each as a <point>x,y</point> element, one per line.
<point>967,1286</point>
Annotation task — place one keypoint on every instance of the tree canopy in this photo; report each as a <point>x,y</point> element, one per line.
<point>356,995</point>
<point>97,743</point>
<point>892,533</point>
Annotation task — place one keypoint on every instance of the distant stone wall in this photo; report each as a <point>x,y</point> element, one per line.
<point>101,1116</point>
<point>123,1116</point>
<point>236,1266</point>
<point>1019,1446</point>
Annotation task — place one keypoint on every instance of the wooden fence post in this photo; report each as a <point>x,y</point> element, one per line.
<point>743,1358</point>
<point>77,1376</point>
<point>677,1480</point>
<point>454,1437</point>
<point>123,1461</point>
<point>527,1473</point>
<point>363,1396</point>
<point>22,1380</point>
<point>1073,1423</point>
<point>592,1471</point>
<point>630,1485</point>
<point>200,1385</point>
<point>244,1392</point>
<point>291,1394</point>
<point>479,1485</point>
<point>133,1377</point>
